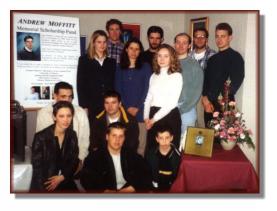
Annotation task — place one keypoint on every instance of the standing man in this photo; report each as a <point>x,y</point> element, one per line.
<point>201,52</point>
<point>226,64</point>
<point>115,46</point>
<point>192,82</point>
<point>27,52</point>
<point>63,91</point>
<point>155,35</point>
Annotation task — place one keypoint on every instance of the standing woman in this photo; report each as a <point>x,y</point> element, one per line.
<point>132,81</point>
<point>165,87</point>
<point>55,153</point>
<point>95,75</point>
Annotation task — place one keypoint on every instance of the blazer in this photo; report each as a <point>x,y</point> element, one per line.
<point>44,157</point>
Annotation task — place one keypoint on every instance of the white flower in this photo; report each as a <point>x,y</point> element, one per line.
<point>216,127</point>
<point>242,136</point>
<point>238,114</point>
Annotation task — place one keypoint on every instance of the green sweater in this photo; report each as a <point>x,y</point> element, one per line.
<point>193,77</point>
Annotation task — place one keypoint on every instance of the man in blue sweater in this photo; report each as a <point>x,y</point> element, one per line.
<point>192,81</point>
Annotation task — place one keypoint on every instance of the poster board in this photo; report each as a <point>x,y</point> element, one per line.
<point>46,49</point>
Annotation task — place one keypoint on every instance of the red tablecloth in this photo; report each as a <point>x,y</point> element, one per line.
<point>225,171</point>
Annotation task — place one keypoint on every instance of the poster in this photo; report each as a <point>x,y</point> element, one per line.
<point>46,50</point>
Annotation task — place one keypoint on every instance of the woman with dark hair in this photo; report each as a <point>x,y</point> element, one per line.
<point>165,87</point>
<point>55,153</point>
<point>131,81</point>
<point>95,75</point>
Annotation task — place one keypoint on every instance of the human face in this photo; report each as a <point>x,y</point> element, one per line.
<point>163,58</point>
<point>222,39</point>
<point>154,40</point>
<point>164,139</point>
<point>182,45</point>
<point>100,45</point>
<point>64,95</point>
<point>133,51</point>
<point>115,140</point>
<point>200,40</point>
<point>29,43</point>
<point>114,32</point>
<point>111,105</point>
<point>63,118</point>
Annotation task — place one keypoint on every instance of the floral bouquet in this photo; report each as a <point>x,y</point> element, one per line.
<point>228,124</point>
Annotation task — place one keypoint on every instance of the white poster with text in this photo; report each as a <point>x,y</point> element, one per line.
<point>46,51</point>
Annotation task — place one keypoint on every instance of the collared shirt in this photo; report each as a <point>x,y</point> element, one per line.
<point>203,61</point>
<point>114,50</point>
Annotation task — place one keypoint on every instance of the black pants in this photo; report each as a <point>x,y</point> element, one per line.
<point>171,120</point>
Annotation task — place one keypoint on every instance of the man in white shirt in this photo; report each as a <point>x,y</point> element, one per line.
<point>115,168</point>
<point>63,91</point>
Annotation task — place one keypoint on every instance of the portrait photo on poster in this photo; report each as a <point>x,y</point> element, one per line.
<point>28,46</point>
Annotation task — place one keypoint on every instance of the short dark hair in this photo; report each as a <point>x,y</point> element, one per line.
<point>62,85</point>
<point>202,29</point>
<point>116,125</point>
<point>28,37</point>
<point>164,128</point>
<point>124,59</point>
<point>155,29</point>
<point>62,104</point>
<point>183,34</point>
<point>114,21</point>
<point>112,93</point>
<point>224,26</point>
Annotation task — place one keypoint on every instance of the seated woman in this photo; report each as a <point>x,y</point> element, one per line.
<point>55,153</point>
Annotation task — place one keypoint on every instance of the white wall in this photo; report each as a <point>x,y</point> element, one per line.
<point>169,21</point>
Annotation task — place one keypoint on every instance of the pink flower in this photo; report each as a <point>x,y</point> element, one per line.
<point>222,122</point>
<point>250,132</point>
<point>222,134</point>
<point>231,130</point>
<point>215,114</point>
<point>232,103</point>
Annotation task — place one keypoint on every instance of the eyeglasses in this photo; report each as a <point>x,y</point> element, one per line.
<point>199,37</point>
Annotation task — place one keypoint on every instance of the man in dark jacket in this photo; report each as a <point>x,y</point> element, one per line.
<point>115,168</point>
<point>226,64</point>
<point>114,112</point>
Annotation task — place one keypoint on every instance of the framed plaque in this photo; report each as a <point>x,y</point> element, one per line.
<point>199,141</point>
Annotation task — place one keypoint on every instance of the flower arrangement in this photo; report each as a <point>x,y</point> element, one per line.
<point>228,124</point>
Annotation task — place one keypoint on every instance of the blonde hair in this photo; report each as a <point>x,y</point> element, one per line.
<point>91,48</point>
<point>174,65</point>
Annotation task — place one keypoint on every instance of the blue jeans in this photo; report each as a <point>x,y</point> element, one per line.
<point>188,119</point>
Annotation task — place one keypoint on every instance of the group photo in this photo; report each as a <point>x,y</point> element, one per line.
<point>137,102</point>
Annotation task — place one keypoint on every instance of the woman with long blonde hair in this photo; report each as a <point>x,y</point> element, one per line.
<point>95,75</point>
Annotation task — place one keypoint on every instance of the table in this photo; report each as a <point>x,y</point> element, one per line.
<point>224,172</point>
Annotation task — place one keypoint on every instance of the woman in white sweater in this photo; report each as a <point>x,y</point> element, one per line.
<point>165,87</point>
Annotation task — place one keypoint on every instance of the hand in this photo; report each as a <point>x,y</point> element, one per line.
<point>79,168</point>
<point>53,182</point>
<point>129,189</point>
<point>133,111</point>
<point>209,108</point>
<point>149,124</point>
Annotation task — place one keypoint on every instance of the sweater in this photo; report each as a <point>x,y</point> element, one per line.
<point>164,92</point>
<point>132,84</point>
<point>223,65</point>
<point>192,84</point>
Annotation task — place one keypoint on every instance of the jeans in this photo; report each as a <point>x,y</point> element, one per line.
<point>188,119</point>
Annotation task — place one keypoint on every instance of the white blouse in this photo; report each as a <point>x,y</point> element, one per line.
<point>164,91</point>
